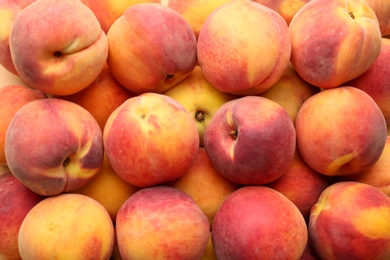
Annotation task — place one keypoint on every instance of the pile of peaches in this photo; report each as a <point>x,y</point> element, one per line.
<point>193,129</point>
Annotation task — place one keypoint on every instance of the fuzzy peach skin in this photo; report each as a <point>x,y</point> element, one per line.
<point>101,97</point>
<point>151,48</point>
<point>301,184</point>
<point>257,222</point>
<point>286,8</point>
<point>340,131</point>
<point>150,139</point>
<point>66,226</point>
<point>234,38</point>
<point>375,81</point>
<point>250,140</point>
<point>382,11</point>
<point>108,189</point>
<point>53,146</point>
<point>16,201</point>
<point>378,174</point>
<point>334,41</point>
<point>107,11</point>
<point>61,54</point>
<point>200,98</point>
<point>9,9</point>
<point>13,97</point>
<point>290,91</point>
<point>351,221</point>
<point>195,12</point>
<point>161,222</point>
<point>205,185</point>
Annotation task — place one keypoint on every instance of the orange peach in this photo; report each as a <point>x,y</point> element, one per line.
<point>290,91</point>
<point>301,184</point>
<point>151,48</point>
<point>382,11</point>
<point>53,146</point>
<point>286,8</point>
<point>16,201</point>
<point>257,222</point>
<point>66,226</point>
<point>161,222</point>
<point>101,97</point>
<point>234,38</point>
<point>205,185</point>
<point>108,11</point>
<point>340,131</point>
<point>108,189</point>
<point>351,221</point>
<point>62,53</point>
<point>13,97</point>
<point>9,9</point>
<point>195,12</point>
<point>200,98</point>
<point>375,81</point>
<point>334,41</point>
<point>150,139</point>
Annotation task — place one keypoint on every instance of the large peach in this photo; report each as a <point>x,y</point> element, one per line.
<point>108,11</point>
<point>205,185</point>
<point>66,226</point>
<point>290,91</point>
<point>150,139</point>
<point>234,38</point>
<point>257,222</point>
<point>12,98</point>
<point>375,81</point>
<point>250,140</point>
<point>16,201</point>
<point>351,221</point>
<point>334,41</point>
<point>55,51</point>
<point>9,9</point>
<point>101,97</point>
<point>161,223</point>
<point>151,48</point>
<point>340,131</point>
<point>200,98</point>
<point>53,146</point>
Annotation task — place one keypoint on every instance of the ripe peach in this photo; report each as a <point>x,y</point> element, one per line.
<point>53,146</point>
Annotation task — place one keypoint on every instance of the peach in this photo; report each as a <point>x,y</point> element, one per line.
<point>60,54</point>
<point>101,97</point>
<point>16,201</point>
<point>161,222</point>
<point>375,81</point>
<point>66,226</point>
<point>53,146</point>
<point>234,38</point>
<point>8,78</point>
<point>200,98</point>
<point>334,41</point>
<point>378,174</point>
<point>351,221</point>
<point>108,189</point>
<point>382,11</point>
<point>150,139</point>
<point>195,12</point>
<point>301,184</point>
<point>250,140</point>
<point>286,8</point>
<point>13,97</point>
<point>9,9</point>
<point>290,91</point>
<point>108,11</point>
<point>257,222</point>
<point>151,48</point>
<point>205,185</point>
<point>340,131</point>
